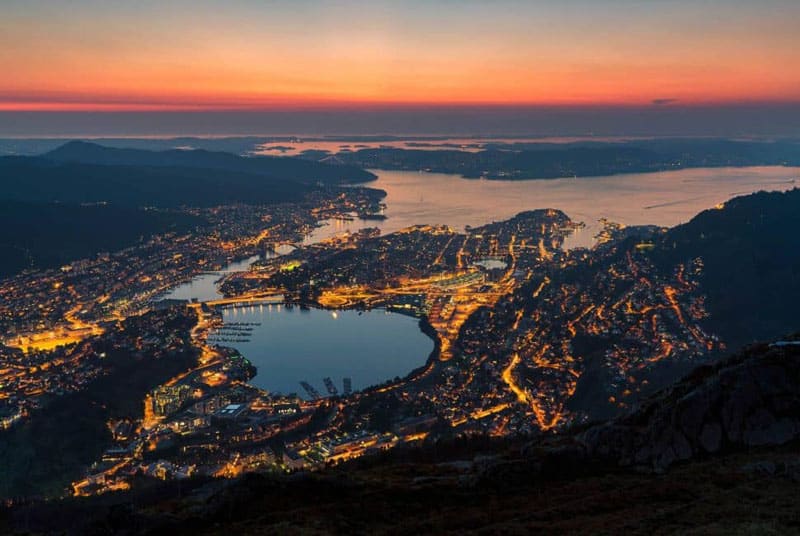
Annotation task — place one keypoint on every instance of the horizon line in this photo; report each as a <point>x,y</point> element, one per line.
<point>123,106</point>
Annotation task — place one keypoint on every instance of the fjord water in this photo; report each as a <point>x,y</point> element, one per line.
<point>204,286</point>
<point>663,198</point>
<point>293,345</point>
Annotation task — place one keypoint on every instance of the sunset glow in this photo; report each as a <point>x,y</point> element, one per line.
<point>253,55</point>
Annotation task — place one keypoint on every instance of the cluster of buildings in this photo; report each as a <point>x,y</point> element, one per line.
<point>51,320</point>
<point>41,310</point>
<point>518,325</point>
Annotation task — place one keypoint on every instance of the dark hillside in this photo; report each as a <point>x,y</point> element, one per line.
<point>277,168</point>
<point>751,256</point>
<point>49,235</point>
<point>38,179</point>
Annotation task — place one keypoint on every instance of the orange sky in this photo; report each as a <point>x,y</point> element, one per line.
<point>90,55</point>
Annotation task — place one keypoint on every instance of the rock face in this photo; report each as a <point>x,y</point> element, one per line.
<point>751,399</point>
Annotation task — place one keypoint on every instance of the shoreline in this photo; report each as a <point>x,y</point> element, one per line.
<point>422,324</point>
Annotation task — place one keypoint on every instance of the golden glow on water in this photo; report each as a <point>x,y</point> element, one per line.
<point>664,198</point>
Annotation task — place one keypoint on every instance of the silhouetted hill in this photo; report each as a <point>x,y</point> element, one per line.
<point>751,255</point>
<point>49,235</point>
<point>278,168</point>
<point>39,179</point>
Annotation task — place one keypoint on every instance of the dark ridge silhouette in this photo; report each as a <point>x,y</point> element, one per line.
<point>751,253</point>
<point>42,180</point>
<point>278,168</point>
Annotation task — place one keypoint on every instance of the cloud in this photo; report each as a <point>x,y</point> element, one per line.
<point>663,102</point>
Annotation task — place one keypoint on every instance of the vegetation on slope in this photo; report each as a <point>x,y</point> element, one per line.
<point>49,235</point>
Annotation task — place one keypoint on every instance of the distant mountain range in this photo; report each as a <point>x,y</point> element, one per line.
<point>499,158</point>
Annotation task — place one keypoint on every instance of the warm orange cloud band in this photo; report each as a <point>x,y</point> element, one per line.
<point>89,105</point>
<point>274,55</point>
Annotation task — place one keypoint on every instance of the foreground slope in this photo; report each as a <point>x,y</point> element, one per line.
<point>573,482</point>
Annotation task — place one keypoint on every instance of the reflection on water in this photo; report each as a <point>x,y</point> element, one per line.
<point>666,198</point>
<point>293,345</point>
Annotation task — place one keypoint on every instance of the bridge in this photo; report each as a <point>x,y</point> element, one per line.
<point>247,300</point>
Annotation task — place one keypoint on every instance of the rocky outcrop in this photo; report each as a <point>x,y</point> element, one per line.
<point>749,400</point>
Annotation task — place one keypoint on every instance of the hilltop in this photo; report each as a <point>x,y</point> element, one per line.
<point>750,248</point>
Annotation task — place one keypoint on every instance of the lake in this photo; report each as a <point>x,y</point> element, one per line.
<point>293,345</point>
